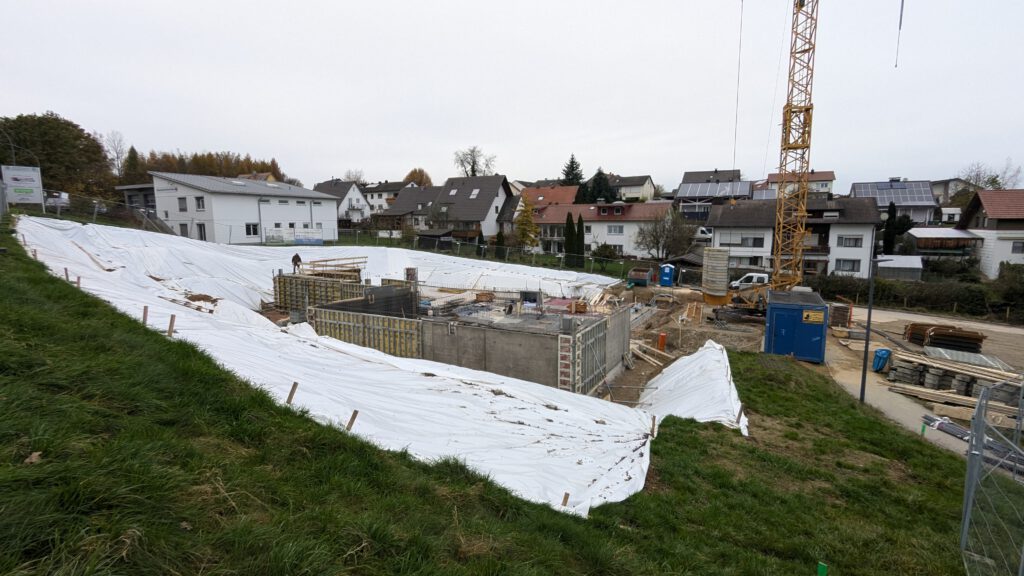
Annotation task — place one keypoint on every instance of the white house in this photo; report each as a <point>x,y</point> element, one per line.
<point>839,234</point>
<point>382,194</point>
<point>233,211</point>
<point>997,217</point>
<point>352,205</point>
<point>632,188</point>
<point>614,224</point>
<point>819,184</point>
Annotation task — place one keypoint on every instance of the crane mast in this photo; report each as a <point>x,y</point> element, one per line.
<point>794,158</point>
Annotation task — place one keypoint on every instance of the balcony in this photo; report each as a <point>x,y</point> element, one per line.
<point>816,249</point>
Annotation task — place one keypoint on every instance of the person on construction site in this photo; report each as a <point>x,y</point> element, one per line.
<point>296,263</point>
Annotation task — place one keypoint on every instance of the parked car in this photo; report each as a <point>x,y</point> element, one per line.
<point>752,279</point>
<point>58,199</point>
<point>703,234</point>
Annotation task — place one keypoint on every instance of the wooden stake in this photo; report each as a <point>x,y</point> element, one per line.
<point>145,315</point>
<point>66,276</point>
<point>34,255</point>
<point>78,281</point>
<point>565,499</point>
<point>23,242</point>
<point>351,421</point>
<point>291,395</point>
<point>170,327</point>
<point>654,424</point>
<point>954,307</point>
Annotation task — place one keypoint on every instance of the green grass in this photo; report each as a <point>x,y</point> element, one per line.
<point>156,461</point>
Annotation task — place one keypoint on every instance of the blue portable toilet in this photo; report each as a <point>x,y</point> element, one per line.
<point>795,325</point>
<point>668,275</point>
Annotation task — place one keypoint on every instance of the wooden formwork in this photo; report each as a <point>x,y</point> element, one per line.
<point>344,269</point>
<point>297,291</point>
<point>395,336</point>
<point>396,282</point>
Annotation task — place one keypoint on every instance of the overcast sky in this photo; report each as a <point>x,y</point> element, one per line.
<point>634,87</point>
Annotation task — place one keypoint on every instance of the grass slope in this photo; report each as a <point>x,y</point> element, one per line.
<point>156,461</point>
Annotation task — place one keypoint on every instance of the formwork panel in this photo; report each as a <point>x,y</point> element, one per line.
<point>298,292</point>
<point>395,336</point>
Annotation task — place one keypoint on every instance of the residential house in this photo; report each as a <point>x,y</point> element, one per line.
<point>542,183</point>
<point>414,208</point>
<point>474,207</point>
<point>839,234</point>
<point>632,188</point>
<point>138,195</point>
<point>380,195</point>
<point>949,215</point>
<point>701,189</point>
<point>233,211</point>
<point>944,190</point>
<point>352,205</point>
<point>997,217</point>
<point>614,224</point>
<point>913,198</point>
<point>819,185</point>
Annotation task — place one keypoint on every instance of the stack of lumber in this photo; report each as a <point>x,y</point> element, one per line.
<point>924,376</point>
<point>944,336</point>
<point>839,315</point>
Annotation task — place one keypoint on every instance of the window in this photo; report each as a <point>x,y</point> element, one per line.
<point>264,201</point>
<point>851,241</point>
<point>586,228</point>
<point>277,224</point>
<point>618,211</point>
<point>844,265</point>
<point>452,193</point>
<point>615,229</point>
<point>741,240</point>
<point>604,211</point>
<point>617,248</point>
<point>495,209</point>
<point>183,230</point>
<point>201,231</point>
<point>319,225</point>
<point>182,204</point>
<point>300,202</point>
<point>1018,247</point>
<point>745,262</point>
<point>165,215</point>
<point>830,215</point>
<point>444,208</point>
<point>318,203</point>
<point>305,225</point>
<point>419,206</point>
<point>252,229</point>
<point>282,202</point>
<point>291,225</point>
<point>474,193</point>
<point>200,203</point>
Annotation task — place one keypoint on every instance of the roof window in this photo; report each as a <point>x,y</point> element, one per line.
<point>474,193</point>
<point>454,190</point>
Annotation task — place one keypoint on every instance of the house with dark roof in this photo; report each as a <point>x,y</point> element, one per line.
<point>234,211</point>
<point>911,197</point>
<point>615,224</point>
<point>352,205</point>
<point>702,189</point>
<point>819,185</point>
<point>997,217</point>
<point>632,188</point>
<point>382,194</point>
<point>474,207</point>
<point>839,236</point>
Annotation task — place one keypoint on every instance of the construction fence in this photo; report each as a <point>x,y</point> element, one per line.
<point>992,532</point>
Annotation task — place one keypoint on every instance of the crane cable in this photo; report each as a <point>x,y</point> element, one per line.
<point>899,33</point>
<point>775,92</point>
<point>736,117</point>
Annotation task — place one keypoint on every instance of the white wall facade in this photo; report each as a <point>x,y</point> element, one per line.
<point>847,253</point>
<point>745,244</point>
<point>242,219</point>
<point>377,199</point>
<point>353,206</point>
<point>997,247</point>
<point>822,187</point>
<point>645,192</point>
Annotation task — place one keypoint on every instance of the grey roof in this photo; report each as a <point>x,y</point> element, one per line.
<point>218,185</point>
<point>337,188</point>
<point>135,186</point>
<point>384,186</point>
<point>616,181</point>
<point>909,193</point>
<point>508,209</point>
<point>711,176</point>
<point>542,183</point>
<point>408,201</point>
<point>740,189</point>
<point>461,206</point>
<point>761,213</point>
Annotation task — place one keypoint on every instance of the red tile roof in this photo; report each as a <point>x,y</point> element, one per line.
<point>551,195</point>
<point>822,176</point>
<point>638,212</point>
<point>1003,204</point>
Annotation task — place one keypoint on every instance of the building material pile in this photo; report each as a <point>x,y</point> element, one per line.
<point>953,382</point>
<point>944,336</point>
<point>344,269</point>
<point>840,315</point>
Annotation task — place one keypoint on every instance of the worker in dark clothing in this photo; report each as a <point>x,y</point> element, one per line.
<point>296,263</point>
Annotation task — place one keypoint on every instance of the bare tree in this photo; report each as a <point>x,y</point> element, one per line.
<point>354,176</point>
<point>984,176</point>
<point>666,237</point>
<point>473,162</point>
<point>117,150</point>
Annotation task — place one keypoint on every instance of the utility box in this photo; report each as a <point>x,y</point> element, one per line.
<point>796,324</point>
<point>668,275</point>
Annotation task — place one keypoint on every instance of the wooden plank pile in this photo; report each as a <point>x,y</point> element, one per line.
<point>944,336</point>
<point>947,381</point>
<point>839,315</point>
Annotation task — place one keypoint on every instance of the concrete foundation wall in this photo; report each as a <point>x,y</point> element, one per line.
<point>524,355</point>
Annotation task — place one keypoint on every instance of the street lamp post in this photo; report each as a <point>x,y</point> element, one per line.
<point>872,262</point>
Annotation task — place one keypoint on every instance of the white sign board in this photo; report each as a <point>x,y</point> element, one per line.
<point>24,184</point>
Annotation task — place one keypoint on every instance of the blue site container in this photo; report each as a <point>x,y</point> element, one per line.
<point>668,275</point>
<point>881,359</point>
<point>796,324</point>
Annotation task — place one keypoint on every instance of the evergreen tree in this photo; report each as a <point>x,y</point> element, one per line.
<point>600,189</point>
<point>582,194</point>
<point>526,229</point>
<point>569,247</point>
<point>134,172</point>
<point>889,231</point>
<point>571,172</point>
<point>499,240</point>
<point>581,241</point>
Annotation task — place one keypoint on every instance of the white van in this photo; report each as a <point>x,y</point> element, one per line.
<point>751,280</point>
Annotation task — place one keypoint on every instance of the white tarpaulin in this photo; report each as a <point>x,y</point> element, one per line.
<point>698,386</point>
<point>539,442</point>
